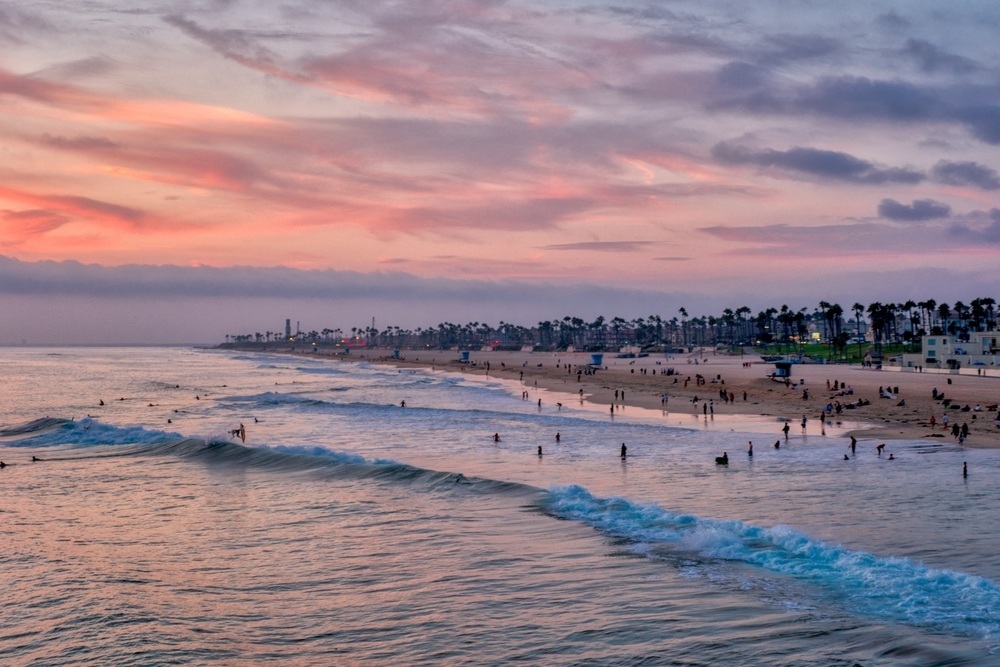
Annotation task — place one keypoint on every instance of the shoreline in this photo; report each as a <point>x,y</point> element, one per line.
<point>642,382</point>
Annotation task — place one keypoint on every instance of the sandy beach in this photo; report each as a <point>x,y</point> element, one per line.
<point>643,382</point>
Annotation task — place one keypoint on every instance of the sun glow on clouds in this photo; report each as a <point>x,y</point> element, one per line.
<point>570,141</point>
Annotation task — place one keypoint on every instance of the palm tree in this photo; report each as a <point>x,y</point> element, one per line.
<point>683,313</point>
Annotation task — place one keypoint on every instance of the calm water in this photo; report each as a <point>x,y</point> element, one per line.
<point>350,531</point>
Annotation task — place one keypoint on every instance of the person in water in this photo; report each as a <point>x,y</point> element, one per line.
<point>539,450</point>
<point>35,458</point>
<point>722,460</point>
<point>496,437</point>
<point>624,450</point>
<point>750,449</point>
<point>777,443</point>
<point>965,469</point>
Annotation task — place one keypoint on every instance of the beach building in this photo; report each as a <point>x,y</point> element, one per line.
<point>980,349</point>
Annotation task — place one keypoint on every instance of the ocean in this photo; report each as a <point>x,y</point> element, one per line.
<point>349,530</point>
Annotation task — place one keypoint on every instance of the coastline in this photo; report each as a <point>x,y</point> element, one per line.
<point>643,382</point>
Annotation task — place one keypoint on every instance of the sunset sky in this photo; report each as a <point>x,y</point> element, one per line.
<point>176,171</point>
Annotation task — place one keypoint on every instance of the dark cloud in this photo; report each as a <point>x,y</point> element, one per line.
<point>919,211</point>
<point>861,99</point>
<point>983,121</point>
<point>979,227</point>
<point>822,163</point>
<point>742,75</point>
<point>893,21</point>
<point>966,173</point>
<point>932,59</point>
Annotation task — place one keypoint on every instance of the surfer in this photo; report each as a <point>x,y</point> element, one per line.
<point>35,458</point>
<point>2,464</point>
<point>722,460</point>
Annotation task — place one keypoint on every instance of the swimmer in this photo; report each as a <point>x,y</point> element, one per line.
<point>777,444</point>
<point>891,457</point>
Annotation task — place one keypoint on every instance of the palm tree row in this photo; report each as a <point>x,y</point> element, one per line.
<point>782,328</point>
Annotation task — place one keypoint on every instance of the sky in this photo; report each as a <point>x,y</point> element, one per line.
<point>180,170</point>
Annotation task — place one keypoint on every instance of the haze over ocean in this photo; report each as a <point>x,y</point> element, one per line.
<point>350,530</point>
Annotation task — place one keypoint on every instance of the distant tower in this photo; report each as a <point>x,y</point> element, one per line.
<point>288,329</point>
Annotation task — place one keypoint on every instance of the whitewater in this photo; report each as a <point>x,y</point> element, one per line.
<point>349,530</point>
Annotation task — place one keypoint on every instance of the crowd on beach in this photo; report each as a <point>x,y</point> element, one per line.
<point>881,404</point>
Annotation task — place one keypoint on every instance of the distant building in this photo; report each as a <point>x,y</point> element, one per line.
<point>288,329</point>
